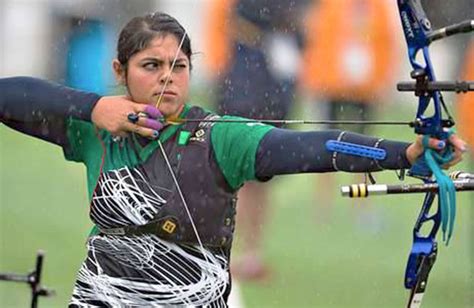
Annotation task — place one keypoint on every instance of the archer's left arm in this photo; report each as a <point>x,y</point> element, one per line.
<point>284,151</point>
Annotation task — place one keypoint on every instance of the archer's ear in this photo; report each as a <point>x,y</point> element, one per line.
<point>119,72</point>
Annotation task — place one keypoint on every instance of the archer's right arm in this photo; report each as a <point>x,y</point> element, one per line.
<point>40,108</point>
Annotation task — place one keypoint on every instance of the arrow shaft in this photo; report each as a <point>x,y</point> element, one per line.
<point>292,122</point>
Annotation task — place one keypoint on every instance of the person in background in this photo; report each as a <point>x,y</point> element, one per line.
<point>253,52</point>
<point>349,64</point>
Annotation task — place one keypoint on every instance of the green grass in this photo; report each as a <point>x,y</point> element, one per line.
<point>321,255</point>
<point>43,205</point>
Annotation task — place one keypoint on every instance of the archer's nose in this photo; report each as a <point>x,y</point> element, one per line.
<point>167,76</point>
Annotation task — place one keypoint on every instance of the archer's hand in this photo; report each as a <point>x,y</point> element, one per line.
<point>416,149</point>
<point>112,113</point>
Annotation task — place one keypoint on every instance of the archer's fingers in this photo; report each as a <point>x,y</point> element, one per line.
<point>149,123</point>
<point>457,155</point>
<point>144,120</point>
<point>141,130</point>
<point>436,144</point>
<point>456,160</point>
<point>151,111</point>
<point>459,147</point>
<point>457,143</point>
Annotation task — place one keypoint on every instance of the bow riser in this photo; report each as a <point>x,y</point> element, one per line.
<point>419,34</point>
<point>417,28</point>
<point>415,24</point>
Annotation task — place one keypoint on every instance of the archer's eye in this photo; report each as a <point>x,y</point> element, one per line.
<point>150,66</point>
<point>180,66</point>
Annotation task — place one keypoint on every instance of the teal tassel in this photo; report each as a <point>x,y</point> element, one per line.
<point>447,191</point>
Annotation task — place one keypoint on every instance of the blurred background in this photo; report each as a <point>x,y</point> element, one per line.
<point>305,245</point>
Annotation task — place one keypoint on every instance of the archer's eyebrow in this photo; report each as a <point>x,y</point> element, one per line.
<point>161,61</point>
<point>183,59</point>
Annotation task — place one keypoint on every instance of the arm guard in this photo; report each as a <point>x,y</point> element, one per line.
<point>284,151</point>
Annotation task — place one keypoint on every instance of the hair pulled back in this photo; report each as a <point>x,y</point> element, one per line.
<point>140,31</point>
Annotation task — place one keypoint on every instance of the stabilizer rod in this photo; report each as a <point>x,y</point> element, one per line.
<point>364,190</point>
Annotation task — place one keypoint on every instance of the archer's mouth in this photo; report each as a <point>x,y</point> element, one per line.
<point>166,93</point>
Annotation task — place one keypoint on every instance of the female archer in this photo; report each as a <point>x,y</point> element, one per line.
<point>162,197</point>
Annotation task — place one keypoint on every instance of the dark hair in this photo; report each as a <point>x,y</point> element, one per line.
<point>141,30</point>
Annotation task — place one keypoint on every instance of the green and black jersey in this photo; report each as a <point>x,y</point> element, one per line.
<point>234,144</point>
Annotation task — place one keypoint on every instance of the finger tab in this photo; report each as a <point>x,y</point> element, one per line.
<point>153,112</point>
<point>153,124</point>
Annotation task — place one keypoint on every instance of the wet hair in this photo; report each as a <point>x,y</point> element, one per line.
<point>140,31</point>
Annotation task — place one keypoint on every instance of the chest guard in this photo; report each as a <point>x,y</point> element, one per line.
<point>149,202</point>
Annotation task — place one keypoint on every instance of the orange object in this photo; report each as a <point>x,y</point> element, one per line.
<point>465,104</point>
<point>350,51</point>
<point>218,26</point>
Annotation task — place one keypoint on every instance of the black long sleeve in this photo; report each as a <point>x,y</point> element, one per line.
<point>284,151</point>
<point>40,108</point>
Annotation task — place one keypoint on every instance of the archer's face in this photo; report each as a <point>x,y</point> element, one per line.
<point>148,71</point>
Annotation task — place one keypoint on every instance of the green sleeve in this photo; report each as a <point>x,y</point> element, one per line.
<point>81,135</point>
<point>235,146</point>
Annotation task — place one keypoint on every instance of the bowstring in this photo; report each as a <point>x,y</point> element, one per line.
<point>165,156</point>
<point>160,97</point>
